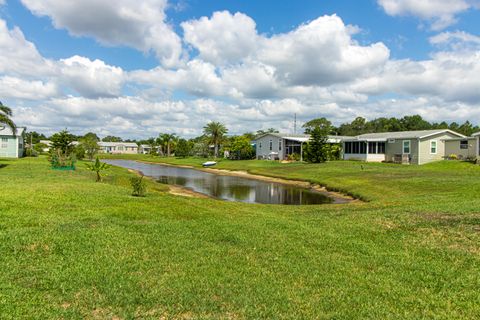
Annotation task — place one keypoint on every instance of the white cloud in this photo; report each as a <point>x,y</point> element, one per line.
<point>321,52</point>
<point>452,76</point>
<point>16,88</point>
<point>223,38</point>
<point>141,25</point>
<point>91,79</point>
<point>458,40</point>
<point>440,13</point>
<point>19,56</point>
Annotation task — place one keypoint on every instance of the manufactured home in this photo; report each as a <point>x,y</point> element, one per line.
<point>118,147</point>
<point>409,147</point>
<point>12,144</point>
<point>277,146</point>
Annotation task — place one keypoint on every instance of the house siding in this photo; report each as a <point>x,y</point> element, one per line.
<point>394,148</point>
<point>12,150</point>
<point>453,147</point>
<point>263,147</point>
<point>425,155</point>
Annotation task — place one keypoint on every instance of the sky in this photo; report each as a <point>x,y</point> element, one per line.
<point>136,68</point>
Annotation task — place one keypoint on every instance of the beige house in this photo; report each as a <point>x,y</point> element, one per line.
<point>463,148</point>
<point>118,147</point>
<point>412,147</point>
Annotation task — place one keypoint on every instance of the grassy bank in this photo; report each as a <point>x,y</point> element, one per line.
<point>73,248</point>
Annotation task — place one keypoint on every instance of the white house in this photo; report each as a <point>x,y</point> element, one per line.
<point>12,145</point>
<point>118,147</point>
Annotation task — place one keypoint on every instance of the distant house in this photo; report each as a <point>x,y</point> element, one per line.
<point>118,147</point>
<point>413,147</point>
<point>278,146</point>
<point>12,145</point>
<point>463,148</point>
<point>147,149</point>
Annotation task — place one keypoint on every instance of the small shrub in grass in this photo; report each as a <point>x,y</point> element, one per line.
<point>139,186</point>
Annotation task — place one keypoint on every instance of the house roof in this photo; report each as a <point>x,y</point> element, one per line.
<point>420,134</point>
<point>476,134</point>
<point>302,137</point>
<point>118,144</point>
<point>6,131</point>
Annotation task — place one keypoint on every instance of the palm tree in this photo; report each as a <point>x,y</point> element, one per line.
<point>216,132</point>
<point>166,140</point>
<point>5,114</point>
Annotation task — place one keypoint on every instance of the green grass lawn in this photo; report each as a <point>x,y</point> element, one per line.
<point>73,248</point>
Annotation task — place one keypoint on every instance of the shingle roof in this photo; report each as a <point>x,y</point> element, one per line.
<point>476,134</point>
<point>404,134</point>
<point>6,131</point>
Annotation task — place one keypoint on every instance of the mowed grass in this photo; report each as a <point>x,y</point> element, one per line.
<point>73,248</point>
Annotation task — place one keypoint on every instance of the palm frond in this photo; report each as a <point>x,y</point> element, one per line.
<point>7,121</point>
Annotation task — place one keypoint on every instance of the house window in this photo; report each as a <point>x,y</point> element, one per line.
<point>260,145</point>
<point>348,147</point>
<point>271,145</point>
<point>279,145</point>
<point>4,146</point>
<point>381,148</point>
<point>363,147</point>
<point>464,144</point>
<point>372,147</point>
<point>433,147</point>
<point>120,148</point>
<point>4,139</point>
<point>406,146</point>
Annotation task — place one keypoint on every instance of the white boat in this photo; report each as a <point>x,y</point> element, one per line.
<point>209,164</point>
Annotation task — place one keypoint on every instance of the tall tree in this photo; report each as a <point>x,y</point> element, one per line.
<point>166,141</point>
<point>316,148</point>
<point>112,139</point>
<point>216,132</point>
<point>62,141</point>
<point>5,117</point>
<point>324,124</point>
<point>90,145</point>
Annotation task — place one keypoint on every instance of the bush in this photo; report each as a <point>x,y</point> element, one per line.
<point>139,186</point>
<point>79,152</point>
<point>293,157</point>
<point>453,156</point>
<point>30,153</point>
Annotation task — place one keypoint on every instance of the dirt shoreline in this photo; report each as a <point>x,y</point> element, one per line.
<point>339,198</point>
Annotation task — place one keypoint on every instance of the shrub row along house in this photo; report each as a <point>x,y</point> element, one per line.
<point>410,147</point>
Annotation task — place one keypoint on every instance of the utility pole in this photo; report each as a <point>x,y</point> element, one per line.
<point>295,124</point>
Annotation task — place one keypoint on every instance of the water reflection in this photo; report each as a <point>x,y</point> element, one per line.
<point>227,187</point>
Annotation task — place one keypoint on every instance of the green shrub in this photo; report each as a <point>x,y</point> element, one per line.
<point>293,157</point>
<point>139,186</point>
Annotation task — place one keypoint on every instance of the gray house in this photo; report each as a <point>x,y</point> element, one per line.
<point>463,148</point>
<point>278,146</point>
<point>413,147</point>
<point>11,145</point>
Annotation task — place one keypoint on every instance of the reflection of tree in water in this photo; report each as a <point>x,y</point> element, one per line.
<point>239,192</point>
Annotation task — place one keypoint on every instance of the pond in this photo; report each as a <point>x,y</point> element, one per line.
<point>230,188</point>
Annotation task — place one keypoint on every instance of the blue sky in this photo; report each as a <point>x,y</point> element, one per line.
<point>251,64</point>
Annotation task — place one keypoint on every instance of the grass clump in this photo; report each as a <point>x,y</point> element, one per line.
<point>139,186</point>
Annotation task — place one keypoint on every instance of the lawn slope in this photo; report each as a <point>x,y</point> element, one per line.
<point>73,248</point>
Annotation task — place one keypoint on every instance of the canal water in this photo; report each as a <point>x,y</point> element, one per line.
<point>230,188</point>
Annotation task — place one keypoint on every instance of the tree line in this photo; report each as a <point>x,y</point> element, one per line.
<point>361,125</point>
